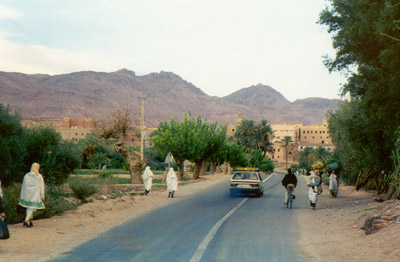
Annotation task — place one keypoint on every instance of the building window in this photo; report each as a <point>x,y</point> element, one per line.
<point>322,141</point>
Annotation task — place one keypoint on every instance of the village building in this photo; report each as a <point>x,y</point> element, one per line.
<point>71,129</point>
<point>302,136</point>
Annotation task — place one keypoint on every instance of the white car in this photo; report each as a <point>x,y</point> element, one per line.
<point>246,181</point>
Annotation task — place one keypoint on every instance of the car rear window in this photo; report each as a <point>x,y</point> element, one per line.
<point>245,176</point>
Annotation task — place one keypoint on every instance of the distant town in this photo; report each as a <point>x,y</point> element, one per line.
<point>302,135</point>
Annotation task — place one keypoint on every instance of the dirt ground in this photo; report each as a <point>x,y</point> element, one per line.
<point>332,232</point>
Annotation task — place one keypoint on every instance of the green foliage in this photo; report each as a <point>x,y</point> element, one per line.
<point>64,161</point>
<point>394,191</point>
<point>10,202</point>
<point>192,139</point>
<point>251,135</point>
<point>266,165</point>
<point>366,37</point>
<point>286,142</point>
<point>12,145</point>
<point>57,158</point>
<point>236,155</point>
<point>311,155</point>
<point>256,158</point>
<point>41,143</point>
<point>55,203</point>
<point>82,188</point>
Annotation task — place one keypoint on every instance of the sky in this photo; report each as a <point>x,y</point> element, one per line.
<point>220,46</point>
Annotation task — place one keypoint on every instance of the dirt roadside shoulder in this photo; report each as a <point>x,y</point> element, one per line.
<point>51,237</point>
<point>333,231</point>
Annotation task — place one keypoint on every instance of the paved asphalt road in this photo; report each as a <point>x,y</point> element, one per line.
<point>208,226</point>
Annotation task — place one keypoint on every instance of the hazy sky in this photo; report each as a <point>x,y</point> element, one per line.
<point>220,46</point>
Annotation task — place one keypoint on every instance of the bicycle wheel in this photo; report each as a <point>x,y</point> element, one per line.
<point>290,199</point>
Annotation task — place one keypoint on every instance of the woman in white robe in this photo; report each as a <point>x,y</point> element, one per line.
<point>313,182</point>
<point>333,184</point>
<point>147,179</point>
<point>32,193</point>
<point>172,182</point>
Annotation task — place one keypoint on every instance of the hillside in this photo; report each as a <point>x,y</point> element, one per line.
<point>98,94</point>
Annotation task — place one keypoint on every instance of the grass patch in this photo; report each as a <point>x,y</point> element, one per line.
<point>82,188</point>
<point>100,172</point>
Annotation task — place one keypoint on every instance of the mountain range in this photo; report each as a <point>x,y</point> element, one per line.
<point>98,94</point>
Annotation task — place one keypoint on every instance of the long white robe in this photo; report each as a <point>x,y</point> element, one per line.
<point>172,181</point>
<point>333,184</point>
<point>147,178</point>
<point>32,191</point>
<point>313,191</point>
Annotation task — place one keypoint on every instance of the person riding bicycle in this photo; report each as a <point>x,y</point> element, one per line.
<point>289,179</point>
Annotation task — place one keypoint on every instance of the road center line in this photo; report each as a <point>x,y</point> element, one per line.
<point>203,245</point>
<point>267,178</point>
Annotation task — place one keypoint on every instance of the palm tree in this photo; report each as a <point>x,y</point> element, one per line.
<point>263,136</point>
<point>251,135</point>
<point>245,133</point>
<point>285,143</point>
<point>319,154</point>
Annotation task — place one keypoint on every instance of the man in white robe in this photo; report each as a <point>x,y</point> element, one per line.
<point>147,179</point>
<point>172,182</point>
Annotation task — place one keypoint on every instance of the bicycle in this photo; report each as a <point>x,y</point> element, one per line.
<point>290,189</point>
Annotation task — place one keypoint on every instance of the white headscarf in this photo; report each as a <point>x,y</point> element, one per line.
<point>147,178</point>
<point>172,180</point>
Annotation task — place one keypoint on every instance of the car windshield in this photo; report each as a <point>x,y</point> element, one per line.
<point>247,176</point>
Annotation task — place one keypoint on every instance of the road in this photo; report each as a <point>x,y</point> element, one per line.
<point>208,226</point>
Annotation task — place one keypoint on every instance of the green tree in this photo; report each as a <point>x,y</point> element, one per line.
<point>173,137</point>
<point>236,155</point>
<point>366,36</point>
<point>88,148</point>
<point>286,142</point>
<point>12,144</point>
<point>251,135</point>
<point>304,158</point>
<point>57,159</point>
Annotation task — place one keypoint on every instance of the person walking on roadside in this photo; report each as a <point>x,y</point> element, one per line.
<point>313,182</point>
<point>32,194</point>
<point>289,179</point>
<point>333,183</point>
<point>2,211</point>
<point>172,182</point>
<point>147,179</point>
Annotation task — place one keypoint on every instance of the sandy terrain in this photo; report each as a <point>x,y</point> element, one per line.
<point>330,233</point>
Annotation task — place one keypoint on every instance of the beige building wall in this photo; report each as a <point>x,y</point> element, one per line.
<point>70,128</point>
<point>314,136</point>
<point>280,131</point>
<point>74,134</point>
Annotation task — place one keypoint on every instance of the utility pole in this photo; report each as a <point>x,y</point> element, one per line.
<point>142,131</point>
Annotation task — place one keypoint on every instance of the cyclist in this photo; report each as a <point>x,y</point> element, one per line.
<point>288,179</point>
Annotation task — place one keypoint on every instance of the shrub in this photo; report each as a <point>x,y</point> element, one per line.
<point>10,201</point>
<point>54,202</point>
<point>82,188</point>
